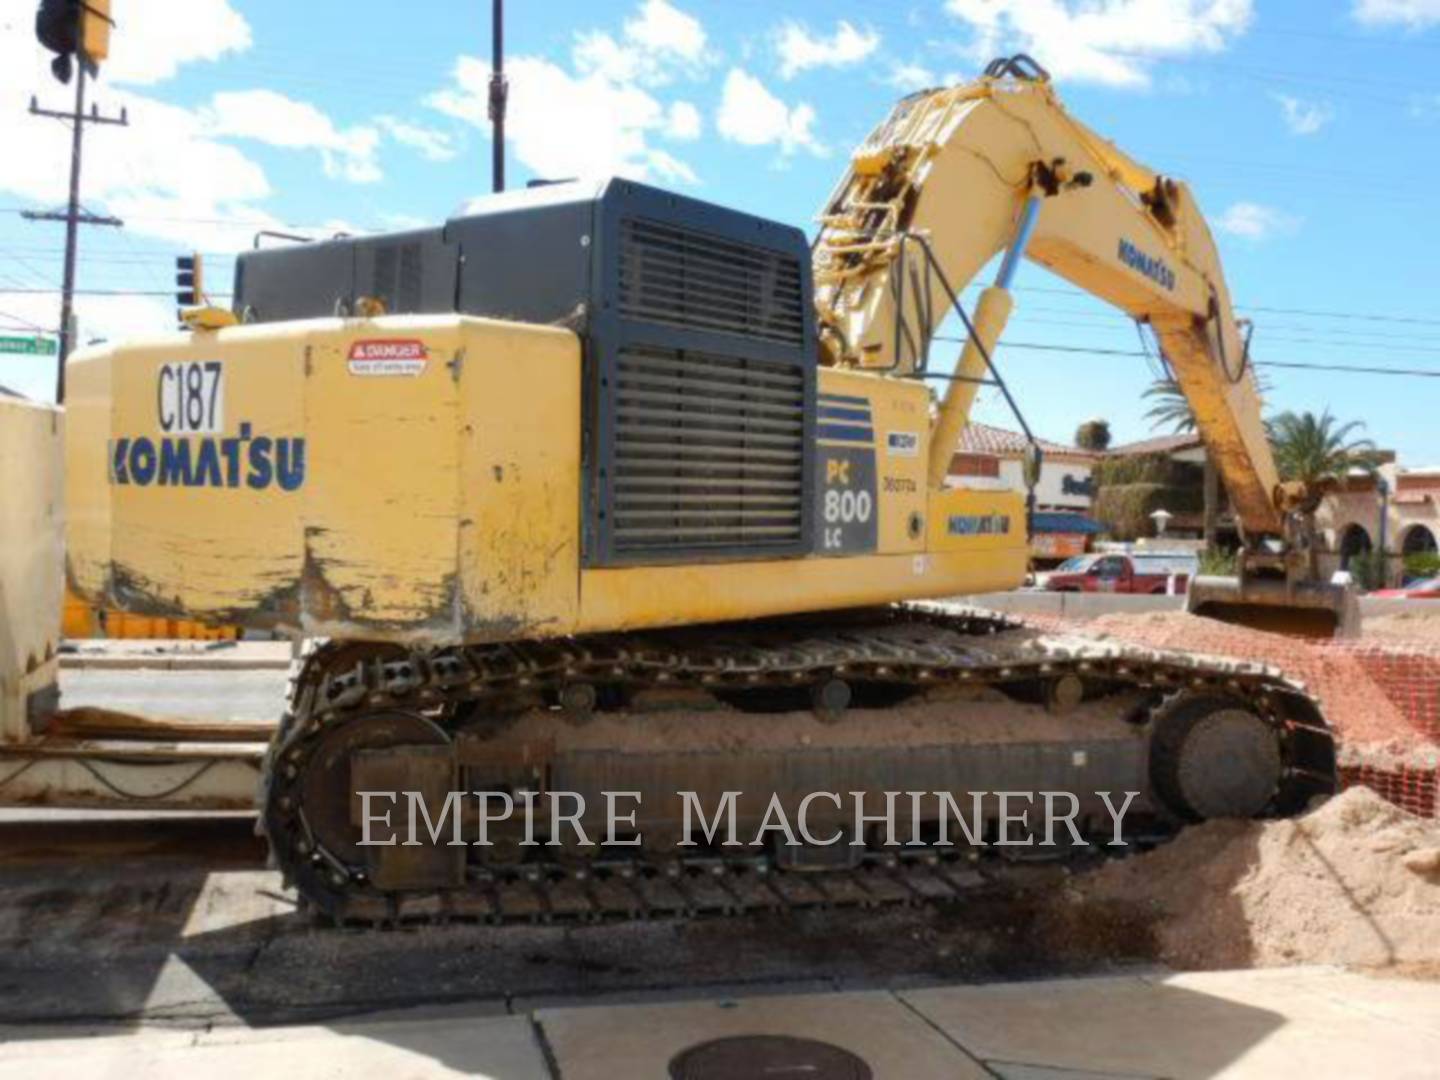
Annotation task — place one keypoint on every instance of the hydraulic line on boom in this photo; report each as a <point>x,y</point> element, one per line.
<point>999,165</point>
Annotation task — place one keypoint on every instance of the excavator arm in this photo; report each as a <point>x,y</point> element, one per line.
<point>953,178</point>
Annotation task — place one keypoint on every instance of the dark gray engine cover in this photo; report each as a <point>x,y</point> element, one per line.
<point>699,338</point>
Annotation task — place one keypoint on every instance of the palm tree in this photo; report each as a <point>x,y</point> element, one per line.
<point>1318,450</point>
<point>1320,453</point>
<point>1171,409</point>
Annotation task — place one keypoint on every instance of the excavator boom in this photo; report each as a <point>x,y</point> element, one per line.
<point>956,176</point>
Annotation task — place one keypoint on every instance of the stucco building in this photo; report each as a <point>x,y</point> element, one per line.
<point>1398,506</point>
<point>994,458</point>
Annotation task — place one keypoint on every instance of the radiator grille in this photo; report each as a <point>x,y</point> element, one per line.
<point>709,453</point>
<point>396,278</point>
<point>681,277</point>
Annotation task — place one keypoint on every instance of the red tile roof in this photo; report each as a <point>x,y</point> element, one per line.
<point>999,442</point>
<point>1161,444</point>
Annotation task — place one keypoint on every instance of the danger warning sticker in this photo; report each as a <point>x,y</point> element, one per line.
<point>392,357</point>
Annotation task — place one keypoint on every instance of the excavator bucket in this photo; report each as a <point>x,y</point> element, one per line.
<point>1307,609</point>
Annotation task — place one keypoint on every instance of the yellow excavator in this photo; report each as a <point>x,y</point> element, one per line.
<point>602,488</point>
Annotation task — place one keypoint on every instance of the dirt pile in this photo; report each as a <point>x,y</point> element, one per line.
<point>1355,882</point>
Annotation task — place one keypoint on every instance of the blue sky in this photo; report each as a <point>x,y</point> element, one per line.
<point>1309,131</point>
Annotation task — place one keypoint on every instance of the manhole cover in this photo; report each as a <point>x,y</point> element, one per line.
<point>767,1057</point>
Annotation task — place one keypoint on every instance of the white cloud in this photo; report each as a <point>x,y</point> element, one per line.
<point>801,50</point>
<point>683,121</point>
<point>1114,42</point>
<point>171,174</point>
<point>1413,14</point>
<point>909,77</point>
<point>404,222</point>
<point>154,38</point>
<point>165,174</point>
<point>1303,117</point>
<point>567,125</point>
<point>656,44</point>
<point>276,120</point>
<point>1254,221</point>
<point>752,116</point>
<point>431,144</point>
<point>664,28</point>
<point>598,116</point>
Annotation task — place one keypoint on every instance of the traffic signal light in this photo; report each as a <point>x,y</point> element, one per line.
<point>189,282</point>
<point>57,26</point>
<point>95,23</point>
<point>71,29</point>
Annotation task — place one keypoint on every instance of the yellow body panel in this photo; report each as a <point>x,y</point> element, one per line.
<point>655,596</point>
<point>31,532</point>
<point>419,478</point>
<point>520,457</point>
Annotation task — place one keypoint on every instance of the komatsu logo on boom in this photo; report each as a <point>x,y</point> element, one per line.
<point>1153,268</point>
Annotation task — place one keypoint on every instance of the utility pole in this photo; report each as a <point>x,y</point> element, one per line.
<point>90,45</point>
<point>74,215</point>
<point>499,94</point>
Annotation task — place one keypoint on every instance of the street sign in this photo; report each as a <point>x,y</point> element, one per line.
<point>29,346</point>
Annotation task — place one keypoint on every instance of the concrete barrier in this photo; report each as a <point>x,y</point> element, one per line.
<point>1373,606</point>
<point>1093,605</point>
<point>1074,605</point>
<point>32,531</point>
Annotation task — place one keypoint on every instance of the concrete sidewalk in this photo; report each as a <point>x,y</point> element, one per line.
<point>1309,1023</point>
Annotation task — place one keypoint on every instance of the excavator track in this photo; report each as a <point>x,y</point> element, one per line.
<point>441,695</point>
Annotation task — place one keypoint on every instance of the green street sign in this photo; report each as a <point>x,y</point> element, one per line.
<point>28,346</point>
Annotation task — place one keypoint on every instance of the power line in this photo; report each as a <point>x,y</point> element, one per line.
<point>25,323</point>
<point>136,256</point>
<point>6,276</point>
<point>1294,336</point>
<point>1350,336</point>
<point>1342,314</point>
<point>181,219</point>
<point>1352,344</point>
<point>1349,369</point>
<point>1363,316</point>
<point>100,292</point>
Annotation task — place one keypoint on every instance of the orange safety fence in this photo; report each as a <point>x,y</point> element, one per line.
<point>82,620</point>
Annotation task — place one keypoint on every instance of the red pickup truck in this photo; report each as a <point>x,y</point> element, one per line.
<point>1135,573</point>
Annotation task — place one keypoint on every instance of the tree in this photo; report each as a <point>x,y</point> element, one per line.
<point>1093,435</point>
<point>1318,450</point>
<point>1320,453</point>
<point>1171,409</point>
